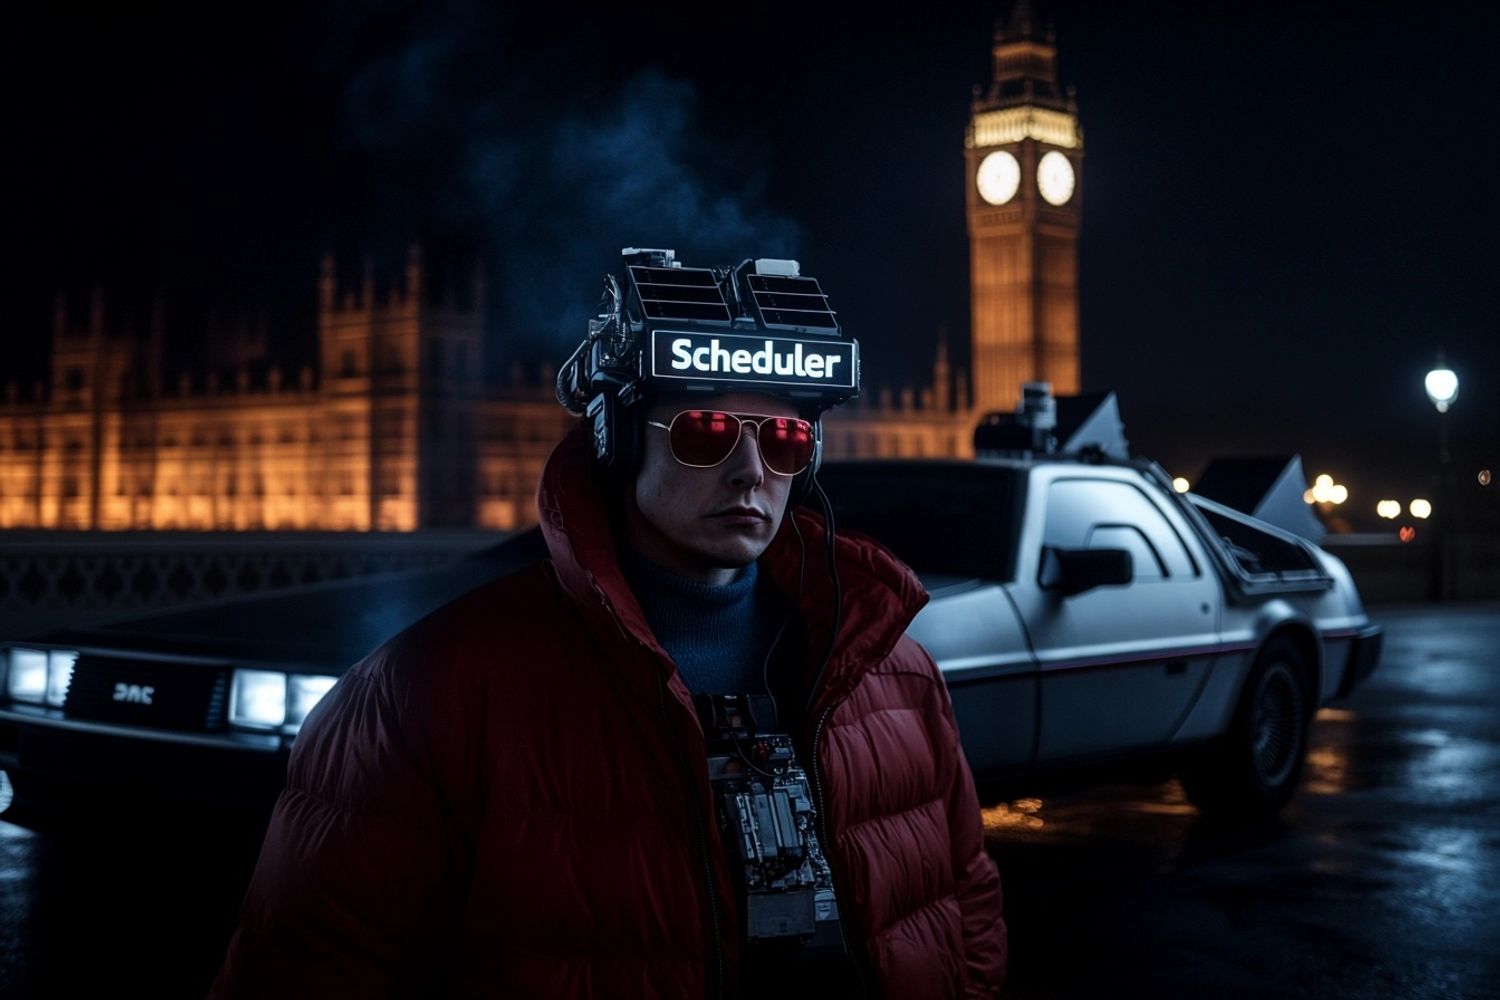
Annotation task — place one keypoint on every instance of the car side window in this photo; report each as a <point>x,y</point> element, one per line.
<point>1145,563</point>
<point>1091,513</point>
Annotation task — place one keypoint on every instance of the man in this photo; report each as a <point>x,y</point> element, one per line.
<point>511,797</point>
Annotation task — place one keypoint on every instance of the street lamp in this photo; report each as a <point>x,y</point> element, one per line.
<point>1442,387</point>
<point>1441,384</point>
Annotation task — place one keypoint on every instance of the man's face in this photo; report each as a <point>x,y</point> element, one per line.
<point>706,523</point>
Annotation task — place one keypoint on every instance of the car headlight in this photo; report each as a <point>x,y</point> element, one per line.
<point>28,675</point>
<point>270,699</point>
<point>40,675</point>
<point>257,699</point>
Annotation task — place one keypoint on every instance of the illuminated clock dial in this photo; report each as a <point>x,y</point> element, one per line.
<point>998,177</point>
<point>1054,178</point>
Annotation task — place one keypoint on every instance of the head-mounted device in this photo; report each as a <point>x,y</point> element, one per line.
<point>760,326</point>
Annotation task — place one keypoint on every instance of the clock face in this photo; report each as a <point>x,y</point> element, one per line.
<point>1054,178</point>
<point>998,177</point>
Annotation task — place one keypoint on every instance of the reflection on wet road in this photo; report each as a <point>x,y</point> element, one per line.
<point>120,908</point>
<point>1380,879</point>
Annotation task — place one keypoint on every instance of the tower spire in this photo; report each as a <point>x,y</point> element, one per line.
<point>328,281</point>
<point>367,284</point>
<point>1022,22</point>
<point>414,275</point>
<point>1025,62</point>
<point>942,375</point>
<point>96,312</point>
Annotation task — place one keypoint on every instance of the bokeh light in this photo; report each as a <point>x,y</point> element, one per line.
<point>1325,490</point>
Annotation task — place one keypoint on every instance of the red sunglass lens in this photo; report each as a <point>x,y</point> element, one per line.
<point>704,437</point>
<point>786,444</point>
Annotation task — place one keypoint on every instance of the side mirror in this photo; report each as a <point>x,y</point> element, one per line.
<point>1073,571</point>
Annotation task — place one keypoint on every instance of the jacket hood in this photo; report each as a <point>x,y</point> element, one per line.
<point>880,594</point>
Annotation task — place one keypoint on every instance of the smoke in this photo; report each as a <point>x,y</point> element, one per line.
<point>469,125</point>
<point>622,174</point>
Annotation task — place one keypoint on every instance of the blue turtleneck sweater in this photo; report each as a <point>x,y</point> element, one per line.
<point>718,635</point>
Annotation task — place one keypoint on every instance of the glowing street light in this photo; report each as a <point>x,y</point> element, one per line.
<point>1181,485</point>
<point>1420,509</point>
<point>1389,509</point>
<point>1442,387</point>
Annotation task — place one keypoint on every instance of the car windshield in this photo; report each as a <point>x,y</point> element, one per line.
<point>938,517</point>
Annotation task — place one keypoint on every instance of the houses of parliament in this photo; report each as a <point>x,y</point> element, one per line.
<point>395,429</point>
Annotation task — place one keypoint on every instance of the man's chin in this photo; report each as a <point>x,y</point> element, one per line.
<point>721,560</point>
<point>732,556</point>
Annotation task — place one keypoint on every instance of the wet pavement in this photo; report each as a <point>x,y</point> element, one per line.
<point>1380,879</point>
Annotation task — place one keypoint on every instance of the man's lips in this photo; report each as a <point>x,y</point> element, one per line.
<point>742,513</point>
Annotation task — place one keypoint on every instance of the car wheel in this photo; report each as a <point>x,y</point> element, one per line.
<point>1255,768</point>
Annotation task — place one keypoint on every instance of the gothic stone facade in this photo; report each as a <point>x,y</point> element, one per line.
<point>393,433</point>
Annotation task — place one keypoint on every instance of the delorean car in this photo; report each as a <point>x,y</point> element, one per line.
<point>1092,620</point>
<point>1082,611</point>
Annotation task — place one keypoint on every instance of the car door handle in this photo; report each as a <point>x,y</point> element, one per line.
<point>1176,667</point>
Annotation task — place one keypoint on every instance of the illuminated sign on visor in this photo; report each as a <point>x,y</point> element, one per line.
<point>753,359</point>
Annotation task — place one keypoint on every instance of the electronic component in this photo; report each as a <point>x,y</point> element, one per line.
<point>764,802</point>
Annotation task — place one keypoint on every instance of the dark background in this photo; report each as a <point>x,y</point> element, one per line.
<point>1287,211</point>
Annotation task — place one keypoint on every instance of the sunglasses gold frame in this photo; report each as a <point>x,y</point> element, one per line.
<point>753,419</point>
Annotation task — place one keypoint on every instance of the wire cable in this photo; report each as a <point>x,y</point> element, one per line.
<point>838,593</point>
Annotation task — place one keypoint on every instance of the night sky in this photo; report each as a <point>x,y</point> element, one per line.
<point>1287,211</point>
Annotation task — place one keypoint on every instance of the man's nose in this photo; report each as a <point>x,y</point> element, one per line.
<point>743,467</point>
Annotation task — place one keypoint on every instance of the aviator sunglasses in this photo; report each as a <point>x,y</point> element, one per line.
<point>703,439</point>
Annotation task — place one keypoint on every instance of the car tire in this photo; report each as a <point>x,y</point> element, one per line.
<point>1255,768</point>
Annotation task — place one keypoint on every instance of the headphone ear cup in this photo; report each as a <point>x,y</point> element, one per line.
<point>629,430</point>
<point>601,418</point>
<point>802,484</point>
<point>616,433</point>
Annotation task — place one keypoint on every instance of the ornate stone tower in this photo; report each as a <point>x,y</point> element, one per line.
<point>401,383</point>
<point>1024,158</point>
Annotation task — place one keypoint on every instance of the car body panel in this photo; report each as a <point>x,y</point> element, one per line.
<point>1119,665</point>
<point>977,637</point>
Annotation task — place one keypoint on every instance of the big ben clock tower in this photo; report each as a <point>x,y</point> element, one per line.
<point>1024,158</point>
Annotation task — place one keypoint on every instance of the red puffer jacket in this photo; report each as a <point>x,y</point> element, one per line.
<point>496,802</point>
